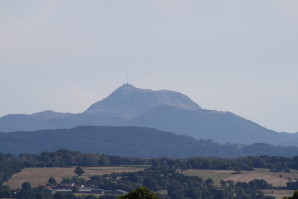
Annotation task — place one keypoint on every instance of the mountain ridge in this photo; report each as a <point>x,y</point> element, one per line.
<point>165,110</point>
<point>208,122</point>
<point>130,142</point>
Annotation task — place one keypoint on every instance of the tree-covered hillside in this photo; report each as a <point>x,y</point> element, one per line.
<point>130,142</point>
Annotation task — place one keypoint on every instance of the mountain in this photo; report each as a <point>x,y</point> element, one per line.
<point>117,109</point>
<point>129,101</point>
<point>221,127</point>
<point>130,142</point>
<point>165,110</point>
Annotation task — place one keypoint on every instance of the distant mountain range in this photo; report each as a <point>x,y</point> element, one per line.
<point>164,110</point>
<point>121,106</point>
<point>130,142</point>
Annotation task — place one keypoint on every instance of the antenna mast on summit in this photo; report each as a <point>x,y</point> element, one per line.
<point>126,79</point>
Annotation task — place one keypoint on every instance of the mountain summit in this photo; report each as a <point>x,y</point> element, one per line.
<point>129,101</point>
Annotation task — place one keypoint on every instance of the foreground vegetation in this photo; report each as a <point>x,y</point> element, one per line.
<point>166,177</point>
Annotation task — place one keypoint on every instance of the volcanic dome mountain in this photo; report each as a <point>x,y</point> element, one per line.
<point>164,110</point>
<point>129,101</point>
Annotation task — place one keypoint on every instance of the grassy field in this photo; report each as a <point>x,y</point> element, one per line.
<point>40,176</point>
<point>275,178</point>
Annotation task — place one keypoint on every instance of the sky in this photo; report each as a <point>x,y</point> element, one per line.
<point>237,56</point>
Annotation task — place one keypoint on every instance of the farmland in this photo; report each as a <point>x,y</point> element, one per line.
<point>276,179</point>
<point>185,177</point>
<point>40,176</point>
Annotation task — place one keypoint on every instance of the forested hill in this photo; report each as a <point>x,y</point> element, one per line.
<point>130,142</point>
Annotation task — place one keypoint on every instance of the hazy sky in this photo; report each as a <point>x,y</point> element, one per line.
<point>238,56</point>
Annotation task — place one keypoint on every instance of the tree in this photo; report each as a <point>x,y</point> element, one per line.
<point>79,171</point>
<point>26,186</point>
<point>52,181</point>
<point>295,196</point>
<point>139,193</point>
<point>209,182</point>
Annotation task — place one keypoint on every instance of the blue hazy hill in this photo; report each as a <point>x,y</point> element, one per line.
<point>165,110</point>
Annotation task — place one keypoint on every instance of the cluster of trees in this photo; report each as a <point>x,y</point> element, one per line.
<point>9,165</point>
<point>255,184</point>
<point>64,158</point>
<point>140,193</point>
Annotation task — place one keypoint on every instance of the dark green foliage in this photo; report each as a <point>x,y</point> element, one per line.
<point>9,164</point>
<point>209,182</point>
<point>140,193</point>
<point>294,196</point>
<point>255,184</point>
<point>52,181</point>
<point>26,186</point>
<point>79,171</point>
<point>76,180</point>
